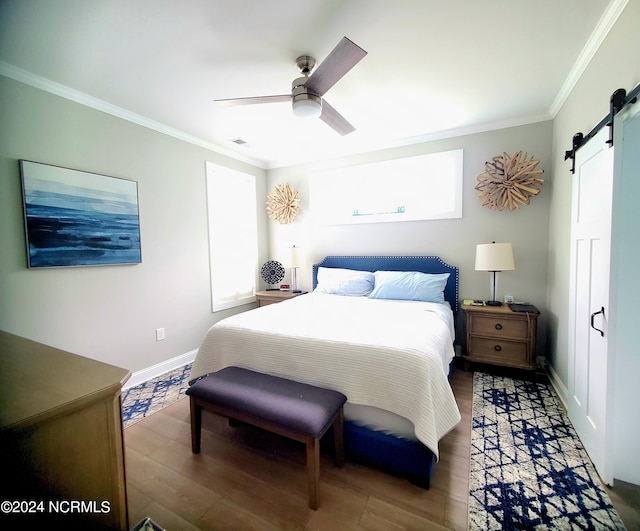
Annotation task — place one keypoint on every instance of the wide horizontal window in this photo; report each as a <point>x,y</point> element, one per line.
<point>408,189</point>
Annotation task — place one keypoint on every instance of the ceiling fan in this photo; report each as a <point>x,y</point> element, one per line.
<point>307,91</point>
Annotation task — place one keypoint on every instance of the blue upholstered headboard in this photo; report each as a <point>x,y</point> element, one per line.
<point>424,264</point>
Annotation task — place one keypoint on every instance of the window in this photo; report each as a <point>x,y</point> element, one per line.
<point>407,189</point>
<point>233,236</point>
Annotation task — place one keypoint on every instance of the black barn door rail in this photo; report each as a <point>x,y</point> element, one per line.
<point>619,100</point>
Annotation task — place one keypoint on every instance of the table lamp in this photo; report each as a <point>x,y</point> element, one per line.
<point>494,257</point>
<point>294,264</point>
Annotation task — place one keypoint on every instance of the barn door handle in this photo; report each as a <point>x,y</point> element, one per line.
<point>593,316</point>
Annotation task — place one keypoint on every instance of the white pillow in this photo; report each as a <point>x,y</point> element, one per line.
<point>409,285</point>
<point>336,281</point>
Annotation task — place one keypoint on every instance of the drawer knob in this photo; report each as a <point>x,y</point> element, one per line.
<point>498,326</point>
<point>497,348</point>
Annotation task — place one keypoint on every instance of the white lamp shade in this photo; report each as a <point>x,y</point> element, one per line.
<point>494,257</point>
<point>294,256</point>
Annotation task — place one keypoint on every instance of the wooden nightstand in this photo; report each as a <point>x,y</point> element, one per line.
<point>499,336</point>
<point>273,296</point>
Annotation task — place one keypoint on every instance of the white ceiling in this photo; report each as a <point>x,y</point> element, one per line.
<point>434,68</point>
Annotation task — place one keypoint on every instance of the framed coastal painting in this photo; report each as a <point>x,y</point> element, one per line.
<point>77,218</point>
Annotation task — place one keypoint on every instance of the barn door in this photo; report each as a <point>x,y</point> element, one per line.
<point>589,298</point>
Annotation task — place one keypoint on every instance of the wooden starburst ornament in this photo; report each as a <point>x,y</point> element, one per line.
<point>509,182</point>
<point>283,204</point>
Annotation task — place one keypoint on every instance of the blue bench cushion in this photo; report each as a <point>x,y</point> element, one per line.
<point>291,405</point>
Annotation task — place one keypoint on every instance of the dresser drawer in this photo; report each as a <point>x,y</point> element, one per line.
<point>498,351</point>
<point>498,326</point>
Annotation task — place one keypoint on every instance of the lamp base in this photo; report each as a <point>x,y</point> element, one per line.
<point>493,303</point>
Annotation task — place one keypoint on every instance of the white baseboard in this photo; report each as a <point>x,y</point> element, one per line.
<point>560,388</point>
<point>154,371</point>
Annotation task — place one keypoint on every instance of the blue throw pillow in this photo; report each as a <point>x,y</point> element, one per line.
<point>409,286</point>
<point>336,281</point>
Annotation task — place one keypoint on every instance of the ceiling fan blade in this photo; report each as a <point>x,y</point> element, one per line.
<point>341,59</point>
<point>254,100</point>
<point>335,120</point>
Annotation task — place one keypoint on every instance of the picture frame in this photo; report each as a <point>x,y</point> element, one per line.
<point>77,218</point>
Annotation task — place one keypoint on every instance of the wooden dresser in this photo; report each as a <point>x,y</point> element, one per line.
<point>498,336</point>
<point>61,438</point>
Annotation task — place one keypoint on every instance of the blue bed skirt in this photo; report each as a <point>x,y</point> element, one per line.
<point>409,459</point>
<point>406,458</point>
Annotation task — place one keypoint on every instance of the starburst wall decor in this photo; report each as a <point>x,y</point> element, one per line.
<point>509,182</point>
<point>283,203</point>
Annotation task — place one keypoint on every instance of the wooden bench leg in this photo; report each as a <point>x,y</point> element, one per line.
<point>338,438</point>
<point>196,426</point>
<point>313,469</point>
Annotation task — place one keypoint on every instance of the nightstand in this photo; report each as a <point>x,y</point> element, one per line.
<point>273,296</point>
<point>498,336</point>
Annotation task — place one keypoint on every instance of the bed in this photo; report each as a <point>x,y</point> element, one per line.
<point>361,332</point>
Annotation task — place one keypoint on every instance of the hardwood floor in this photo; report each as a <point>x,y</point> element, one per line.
<point>246,479</point>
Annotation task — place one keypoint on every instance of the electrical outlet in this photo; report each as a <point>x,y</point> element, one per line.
<point>160,334</point>
<point>508,298</point>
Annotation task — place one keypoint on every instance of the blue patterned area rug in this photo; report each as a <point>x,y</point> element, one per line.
<point>529,469</point>
<point>153,395</point>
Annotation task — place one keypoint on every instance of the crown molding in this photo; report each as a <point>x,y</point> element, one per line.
<point>606,22</point>
<point>23,76</point>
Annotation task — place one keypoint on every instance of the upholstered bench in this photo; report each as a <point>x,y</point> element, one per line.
<point>292,409</point>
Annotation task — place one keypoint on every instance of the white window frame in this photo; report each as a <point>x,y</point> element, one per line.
<point>230,252</point>
<point>422,187</point>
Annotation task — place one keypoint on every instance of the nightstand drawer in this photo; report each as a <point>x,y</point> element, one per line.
<point>497,350</point>
<point>273,296</point>
<point>499,326</point>
<point>499,336</point>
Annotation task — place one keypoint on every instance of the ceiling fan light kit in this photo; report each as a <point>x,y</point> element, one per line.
<point>305,103</point>
<point>307,106</point>
<point>307,91</point>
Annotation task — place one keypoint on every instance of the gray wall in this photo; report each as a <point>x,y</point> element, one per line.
<point>110,313</point>
<point>454,240</point>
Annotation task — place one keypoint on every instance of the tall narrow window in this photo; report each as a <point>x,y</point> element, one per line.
<point>233,236</point>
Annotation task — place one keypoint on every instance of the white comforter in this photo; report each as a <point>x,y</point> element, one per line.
<point>392,355</point>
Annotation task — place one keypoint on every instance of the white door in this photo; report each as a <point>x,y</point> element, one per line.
<point>589,298</point>
<point>624,360</point>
